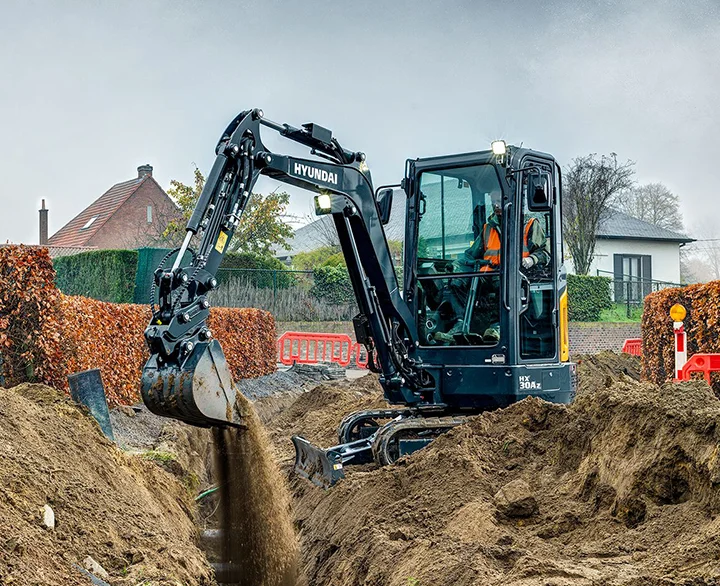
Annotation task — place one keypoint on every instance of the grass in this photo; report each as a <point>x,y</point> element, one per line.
<point>159,456</point>
<point>618,314</point>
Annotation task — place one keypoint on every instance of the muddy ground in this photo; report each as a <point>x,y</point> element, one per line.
<point>620,488</point>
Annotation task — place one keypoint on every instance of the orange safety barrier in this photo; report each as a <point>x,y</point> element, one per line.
<point>311,348</point>
<point>361,355</point>
<point>705,363</point>
<point>633,346</point>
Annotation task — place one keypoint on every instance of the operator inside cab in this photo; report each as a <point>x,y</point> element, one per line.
<point>475,300</point>
<point>460,285</point>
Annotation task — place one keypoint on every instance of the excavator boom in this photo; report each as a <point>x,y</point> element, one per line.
<point>186,377</point>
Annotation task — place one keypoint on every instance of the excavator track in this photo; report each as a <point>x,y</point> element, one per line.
<point>386,446</point>
<point>362,424</point>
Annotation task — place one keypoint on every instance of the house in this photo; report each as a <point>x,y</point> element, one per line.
<point>639,256</point>
<point>131,214</point>
<point>321,232</point>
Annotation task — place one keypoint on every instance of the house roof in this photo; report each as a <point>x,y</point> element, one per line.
<point>315,234</point>
<point>618,225</point>
<point>79,230</point>
<point>56,251</point>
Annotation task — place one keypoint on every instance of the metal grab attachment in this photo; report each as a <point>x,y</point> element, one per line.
<point>198,391</point>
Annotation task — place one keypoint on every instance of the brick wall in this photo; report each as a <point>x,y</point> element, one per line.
<point>591,337</point>
<point>128,226</point>
<point>585,338</point>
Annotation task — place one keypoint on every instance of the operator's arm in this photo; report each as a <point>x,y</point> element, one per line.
<point>538,244</point>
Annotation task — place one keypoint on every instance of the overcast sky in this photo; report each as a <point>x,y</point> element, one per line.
<point>92,89</point>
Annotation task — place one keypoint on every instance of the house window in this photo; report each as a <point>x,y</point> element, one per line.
<point>89,222</point>
<point>149,214</point>
<point>633,277</point>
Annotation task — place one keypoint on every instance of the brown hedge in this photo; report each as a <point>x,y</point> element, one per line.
<point>702,325</point>
<point>45,335</point>
<point>28,303</point>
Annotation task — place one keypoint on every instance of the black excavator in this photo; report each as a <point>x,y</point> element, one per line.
<point>479,322</point>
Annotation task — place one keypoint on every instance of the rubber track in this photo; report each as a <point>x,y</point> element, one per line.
<point>350,421</point>
<point>388,431</point>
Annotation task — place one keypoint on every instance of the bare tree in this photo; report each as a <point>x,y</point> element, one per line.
<point>653,203</point>
<point>591,184</point>
<point>707,248</point>
<point>324,233</point>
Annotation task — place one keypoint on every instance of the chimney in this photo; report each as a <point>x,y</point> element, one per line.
<point>144,171</point>
<point>43,225</point>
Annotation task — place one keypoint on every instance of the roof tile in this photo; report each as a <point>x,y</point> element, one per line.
<point>74,234</point>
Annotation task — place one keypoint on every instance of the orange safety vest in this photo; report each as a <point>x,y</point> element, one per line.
<point>491,239</point>
<point>526,236</point>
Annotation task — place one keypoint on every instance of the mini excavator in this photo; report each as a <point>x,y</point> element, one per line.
<point>480,319</point>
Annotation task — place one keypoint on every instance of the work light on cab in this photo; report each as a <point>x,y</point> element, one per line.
<point>499,147</point>
<point>323,203</point>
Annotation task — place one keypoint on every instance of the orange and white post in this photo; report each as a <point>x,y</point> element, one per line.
<point>678,313</point>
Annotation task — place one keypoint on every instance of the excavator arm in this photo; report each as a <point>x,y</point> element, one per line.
<point>186,377</point>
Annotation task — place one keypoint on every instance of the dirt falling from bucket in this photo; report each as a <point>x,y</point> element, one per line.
<point>260,547</point>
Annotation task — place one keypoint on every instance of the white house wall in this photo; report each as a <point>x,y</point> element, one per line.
<point>665,257</point>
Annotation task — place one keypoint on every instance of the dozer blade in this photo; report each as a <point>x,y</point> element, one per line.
<point>198,391</point>
<point>322,467</point>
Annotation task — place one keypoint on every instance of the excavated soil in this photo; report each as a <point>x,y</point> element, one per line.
<point>123,510</point>
<point>620,488</point>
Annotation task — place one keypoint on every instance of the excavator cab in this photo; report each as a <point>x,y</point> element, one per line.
<point>485,278</point>
<point>485,282</point>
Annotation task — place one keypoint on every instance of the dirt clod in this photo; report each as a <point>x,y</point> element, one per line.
<point>515,499</point>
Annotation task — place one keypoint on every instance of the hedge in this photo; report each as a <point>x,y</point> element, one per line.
<point>28,302</point>
<point>44,335</point>
<point>332,284</point>
<point>109,336</point>
<point>106,275</point>
<point>702,325</point>
<point>587,297</point>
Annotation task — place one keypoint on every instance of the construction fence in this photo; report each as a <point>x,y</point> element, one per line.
<point>289,295</point>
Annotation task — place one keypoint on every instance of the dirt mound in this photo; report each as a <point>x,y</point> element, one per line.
<point>620,488</point>
<point>316,414</point>
<point>601,369</point>
<point>124,511</point>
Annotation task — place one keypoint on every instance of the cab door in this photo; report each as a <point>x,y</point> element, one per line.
<point>537,250</point>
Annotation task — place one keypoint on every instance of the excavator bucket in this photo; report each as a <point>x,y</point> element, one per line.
<point>322,467</point>
<point>198,391</point>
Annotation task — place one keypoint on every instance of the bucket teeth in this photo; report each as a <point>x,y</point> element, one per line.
<point>198,391</point>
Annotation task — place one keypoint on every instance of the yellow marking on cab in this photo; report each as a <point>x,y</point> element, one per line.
<point>564,333</point>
